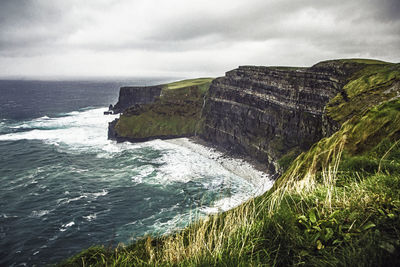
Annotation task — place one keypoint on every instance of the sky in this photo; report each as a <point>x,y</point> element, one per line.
<point>189,38</point>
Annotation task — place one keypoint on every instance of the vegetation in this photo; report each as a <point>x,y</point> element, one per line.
<point>204,83</point>
<point>176,113</point>
<point>368,87</point>
<point>337,204</point>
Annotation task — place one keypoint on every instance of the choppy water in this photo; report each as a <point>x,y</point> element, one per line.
<point>65,187</point>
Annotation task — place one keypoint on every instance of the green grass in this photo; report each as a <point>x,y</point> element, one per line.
<point>337,204</point>
<point>288,68</point>
<point>358,226</point>
<point>188,83</point>
<point>368,87</point>
<point>363,61</point>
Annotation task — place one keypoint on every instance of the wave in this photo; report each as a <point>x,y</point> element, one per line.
<point>40,213</point>
<point>65,226</point>
<point>178,161</point>
<point>77,129</point>
<point>90,196</point>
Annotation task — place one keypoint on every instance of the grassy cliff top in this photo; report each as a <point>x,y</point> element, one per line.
<point>357,60</point>
<point>188,83</point>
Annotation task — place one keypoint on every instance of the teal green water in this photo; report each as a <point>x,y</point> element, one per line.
<point>65,187</point>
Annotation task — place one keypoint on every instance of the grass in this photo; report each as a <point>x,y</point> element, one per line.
<point>288,68</point>
<point>356,224</point>
<point>338,204</point>
<point>367,88</point>
<point>176,113</point>
<point>187,83</point>
<point>363,61</point>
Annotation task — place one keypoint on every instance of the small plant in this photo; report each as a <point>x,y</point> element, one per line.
<point>323,232</point>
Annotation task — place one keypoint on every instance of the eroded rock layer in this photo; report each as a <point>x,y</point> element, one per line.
<point>266,112</point>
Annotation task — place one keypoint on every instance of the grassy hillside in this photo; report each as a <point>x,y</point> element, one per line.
<point>337,204</point>
<point>176,113</point>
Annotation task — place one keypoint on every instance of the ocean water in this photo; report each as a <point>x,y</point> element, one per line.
<point>65,187</point>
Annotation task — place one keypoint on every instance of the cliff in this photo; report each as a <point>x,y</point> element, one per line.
<point>175,113</point>
<point>129,96</point>
<point>267,112</point>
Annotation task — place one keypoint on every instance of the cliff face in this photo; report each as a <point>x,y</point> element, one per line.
<point>266,112</point>
<point>129,96</point>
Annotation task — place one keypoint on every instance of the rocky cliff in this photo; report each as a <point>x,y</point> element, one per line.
<point>267,112</point>
<point>270,114</point>
<point>176,112</point>
<point>129,96</point>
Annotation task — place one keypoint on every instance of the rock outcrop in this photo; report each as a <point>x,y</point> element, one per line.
<point>129,96</point>
<point>174,113</point>
<point>266,112</point>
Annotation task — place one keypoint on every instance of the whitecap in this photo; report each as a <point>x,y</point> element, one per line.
<point>74,199</point>
<point>96,195</point>
<point>137,179</point>
<point>78,130</point>
<point>90,217</point>
<point>65,226</point>
<point>40,213</point>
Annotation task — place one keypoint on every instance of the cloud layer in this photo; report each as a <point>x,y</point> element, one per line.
<point>189,38</point>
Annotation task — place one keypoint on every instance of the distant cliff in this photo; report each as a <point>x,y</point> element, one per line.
<point>129,96</point>
<point>152,113</point>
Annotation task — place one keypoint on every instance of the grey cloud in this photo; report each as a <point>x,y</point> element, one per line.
<point>360,27</point>
<point>32,27</point>
<point>384,10</point>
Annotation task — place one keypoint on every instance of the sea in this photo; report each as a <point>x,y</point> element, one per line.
<point>65,187</point>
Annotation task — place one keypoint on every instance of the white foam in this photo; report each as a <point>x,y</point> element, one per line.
<point>90,217</point>
<point>239,167</point>
<point>96,195</point>
<point>64,227</point>
<point>137,179</point>
<point>145,170</point>
<point>91,196</point>
<point>40,213</point>
<point>84,129</point>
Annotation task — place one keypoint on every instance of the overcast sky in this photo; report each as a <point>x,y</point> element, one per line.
<point>189,38</point>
